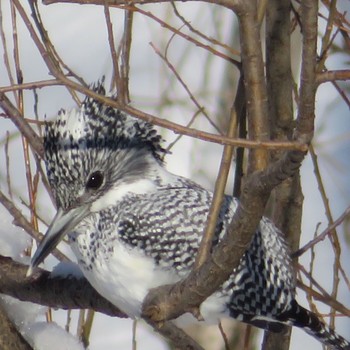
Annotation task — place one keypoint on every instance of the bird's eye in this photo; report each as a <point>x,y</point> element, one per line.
<point>95,181</point>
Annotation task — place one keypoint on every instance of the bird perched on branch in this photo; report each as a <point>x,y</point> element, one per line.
<point>134,226</point>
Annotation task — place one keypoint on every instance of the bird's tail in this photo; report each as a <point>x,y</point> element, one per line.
<point>309,321</point>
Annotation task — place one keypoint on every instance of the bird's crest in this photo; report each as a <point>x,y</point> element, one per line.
<point>84,139</point>
<point>96,124</point>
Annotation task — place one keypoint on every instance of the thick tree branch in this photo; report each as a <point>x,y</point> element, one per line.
<point>178,337</point>
<point>285,207</point>
<point>307,92</point>
<point>68,293</point>
<point>55,292</point>
<point>254,82</point>
<point>333,75</point>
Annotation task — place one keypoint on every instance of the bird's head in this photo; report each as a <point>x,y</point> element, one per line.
<point>89,153</point>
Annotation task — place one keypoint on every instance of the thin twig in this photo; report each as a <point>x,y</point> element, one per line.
<point>31,85</point>
<point>116,77</point>
<point>333,236</point>
<point>322,235</point>
<point>5,54</point>
<point>21,221</point>
<point>213,41</point>
<point>125,57</point>
<point>224,336</point>
<point>7,158</point>
<point>324,297</point>
<point>220,185</point>
<point>326,37</point>
<point>187,37</point>
<point>184,85</point>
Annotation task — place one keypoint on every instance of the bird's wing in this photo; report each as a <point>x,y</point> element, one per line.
<point>168,224</point>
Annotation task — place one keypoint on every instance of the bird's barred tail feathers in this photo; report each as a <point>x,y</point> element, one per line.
<point>299,317</point>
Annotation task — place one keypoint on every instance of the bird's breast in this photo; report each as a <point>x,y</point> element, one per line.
<point>121,274</point>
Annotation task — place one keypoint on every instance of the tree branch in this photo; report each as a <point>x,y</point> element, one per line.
<point>231,4</point>
<point>55,292</point>
<point>10,338</point>
<point>69,293</point>
<point>220,184</point>
<point>285,204</point>
<point>21,124</point>
<point>333,75</point>
<point>20,221</point>
<point>254,83</point>
<point>176,128</point>
<point>307,92</point>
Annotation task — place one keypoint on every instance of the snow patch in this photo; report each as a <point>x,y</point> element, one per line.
<point>21,313</point>
<point>51,336</point>
<point>67,269</point>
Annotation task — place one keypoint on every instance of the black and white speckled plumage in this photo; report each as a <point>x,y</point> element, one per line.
<point>78,142</point>
<point>143,225</point>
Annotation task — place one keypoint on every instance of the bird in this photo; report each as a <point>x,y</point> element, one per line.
<point>134,226</point>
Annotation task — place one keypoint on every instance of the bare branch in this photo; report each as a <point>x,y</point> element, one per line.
<point>69,293</point>
<point>21,124</point>
<point>306,107</point>
<point>231,4</point>
<point>125,50</point>
<point>333,75</point>
<point>220,184</point>
<point>21,221</point>
<point>254,82</point>
<point>55,292</point>
<point>177,128</point>
<point>114,56</point>
<point>284,207</point>
<point>324,234</point>
<point>324,297</point>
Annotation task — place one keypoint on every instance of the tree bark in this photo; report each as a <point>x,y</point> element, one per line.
<point>10,338</point>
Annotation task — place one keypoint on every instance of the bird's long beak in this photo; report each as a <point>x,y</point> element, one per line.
<point>63,222</point>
